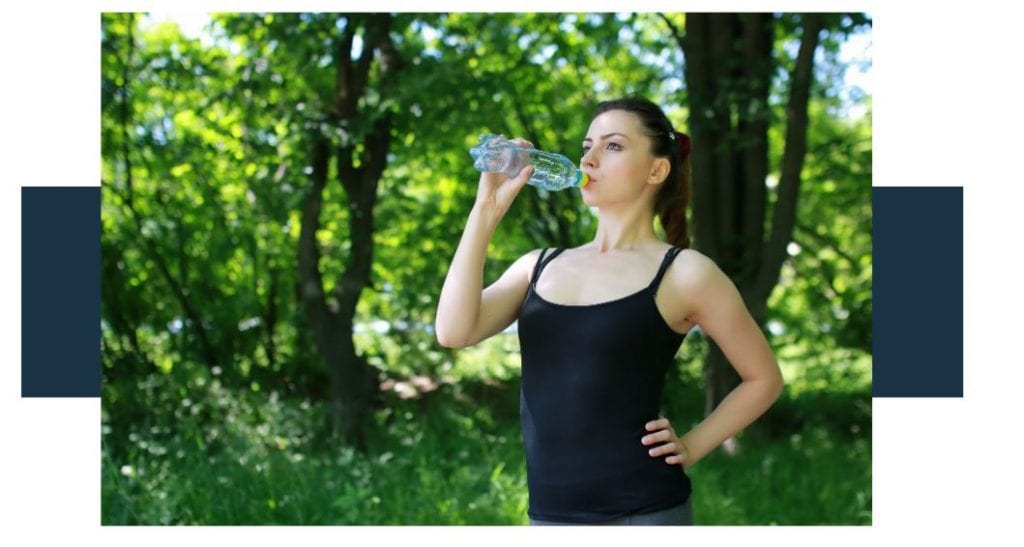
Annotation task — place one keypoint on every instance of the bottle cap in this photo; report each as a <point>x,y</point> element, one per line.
<point>584,179</point>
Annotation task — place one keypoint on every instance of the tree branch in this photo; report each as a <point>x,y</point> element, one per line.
<point>784,217</point>
<point>207,348</point>
<point>825,241</point>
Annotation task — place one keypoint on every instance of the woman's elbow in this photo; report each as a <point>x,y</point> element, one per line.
<point>443,332</point>
<point>447,340</point>
<point>771,384</point>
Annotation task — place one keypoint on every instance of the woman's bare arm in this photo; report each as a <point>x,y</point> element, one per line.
<point>720,312</point>
<point>467,314</point>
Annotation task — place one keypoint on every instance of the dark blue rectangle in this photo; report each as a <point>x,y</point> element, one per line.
<point>60,292</point>
<point>918,281</point>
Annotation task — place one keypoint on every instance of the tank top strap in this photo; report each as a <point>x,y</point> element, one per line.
<point>670,255</point>
<point>541,262</point>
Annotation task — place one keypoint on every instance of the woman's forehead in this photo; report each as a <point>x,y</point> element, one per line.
<point>615,121</point>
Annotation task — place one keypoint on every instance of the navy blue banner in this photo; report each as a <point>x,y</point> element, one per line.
<point>60,292</point>
<point>918,298</point>
<point>917,292</point>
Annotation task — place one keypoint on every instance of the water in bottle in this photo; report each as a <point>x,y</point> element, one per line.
<point>495,154</point>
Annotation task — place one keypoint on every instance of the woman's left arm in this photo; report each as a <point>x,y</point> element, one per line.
<point>718,309</point>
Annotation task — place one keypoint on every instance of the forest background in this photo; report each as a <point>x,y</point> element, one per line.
<point>282,194</point>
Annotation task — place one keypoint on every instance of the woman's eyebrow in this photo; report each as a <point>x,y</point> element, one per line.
<point>606,136</point>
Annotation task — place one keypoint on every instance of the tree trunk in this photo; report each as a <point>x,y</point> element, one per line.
<point>729,65</point>
<point>270,317</point>
<point>352,379</point>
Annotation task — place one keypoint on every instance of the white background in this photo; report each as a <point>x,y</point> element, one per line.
<point>947,107</point>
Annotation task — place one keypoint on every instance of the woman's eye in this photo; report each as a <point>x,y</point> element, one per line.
<point>610,145</point>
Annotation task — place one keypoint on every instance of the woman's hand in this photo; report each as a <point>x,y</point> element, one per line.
<point>496,190</point>
<point>671,446</point>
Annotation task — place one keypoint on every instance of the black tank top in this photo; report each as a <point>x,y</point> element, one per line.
<point>592,378</point>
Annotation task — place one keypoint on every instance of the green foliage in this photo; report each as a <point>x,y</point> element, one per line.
<point>213,393</point>
<point>810,478</point>
<point>231,457</point>
<point>454,456</point>
<point>823,301</point>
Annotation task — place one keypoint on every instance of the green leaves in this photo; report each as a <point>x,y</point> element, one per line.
<point>215,132</point>
<point>207,157</point>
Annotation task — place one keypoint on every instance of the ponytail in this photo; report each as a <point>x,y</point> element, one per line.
<point>673,200</point>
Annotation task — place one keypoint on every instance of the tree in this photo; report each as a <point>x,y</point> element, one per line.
<point>361,160</point>
<point>729,69</point>
<point>275,186</point>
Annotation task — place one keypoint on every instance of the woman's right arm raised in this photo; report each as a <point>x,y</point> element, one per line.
<point>467,313</point>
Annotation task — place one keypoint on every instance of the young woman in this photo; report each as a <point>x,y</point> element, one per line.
<point>600,324</point>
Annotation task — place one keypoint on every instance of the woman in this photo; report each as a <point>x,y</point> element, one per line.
<point>599,330</point>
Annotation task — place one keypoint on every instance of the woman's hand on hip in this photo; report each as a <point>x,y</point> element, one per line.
<point>668,444</point>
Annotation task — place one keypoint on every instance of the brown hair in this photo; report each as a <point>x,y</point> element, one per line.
<point>672,201</point>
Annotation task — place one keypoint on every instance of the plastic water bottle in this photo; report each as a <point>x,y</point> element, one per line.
<point>495,154</point>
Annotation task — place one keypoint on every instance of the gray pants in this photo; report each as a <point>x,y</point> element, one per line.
<point>679,515</point>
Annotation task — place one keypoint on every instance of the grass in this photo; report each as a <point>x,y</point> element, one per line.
<point>811,478</point>
<point>452,456</point>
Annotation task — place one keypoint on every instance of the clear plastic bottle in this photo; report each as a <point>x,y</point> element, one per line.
<point>495,154</point>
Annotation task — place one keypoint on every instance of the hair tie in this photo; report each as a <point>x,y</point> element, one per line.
<point>684,144</point>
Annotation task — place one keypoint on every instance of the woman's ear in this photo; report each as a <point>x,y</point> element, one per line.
<point>659,171</point>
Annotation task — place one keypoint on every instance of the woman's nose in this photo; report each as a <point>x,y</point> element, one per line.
<point>588,158</point>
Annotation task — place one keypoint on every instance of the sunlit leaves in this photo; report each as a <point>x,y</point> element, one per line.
<point>216,132</point>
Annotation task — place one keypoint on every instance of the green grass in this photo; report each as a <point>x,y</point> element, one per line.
<point>814,477</point>
<point>454,456</point>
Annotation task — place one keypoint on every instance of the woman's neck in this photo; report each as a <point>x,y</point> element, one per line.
<point>625,232</point>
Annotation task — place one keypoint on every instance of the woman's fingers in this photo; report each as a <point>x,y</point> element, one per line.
<point>519,141</point>
<point>663,435</point>
<point>667,448</point>
<point>519,180</point>
<point>524,175</point>
<point>522,142</point>
<point>658,424</point>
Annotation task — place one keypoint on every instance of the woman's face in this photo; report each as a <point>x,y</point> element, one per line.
<point>617,158</point>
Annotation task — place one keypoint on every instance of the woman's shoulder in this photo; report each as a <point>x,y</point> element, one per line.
<point>528,261</point>
<point>695,256</point>
<point>694,269</point>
